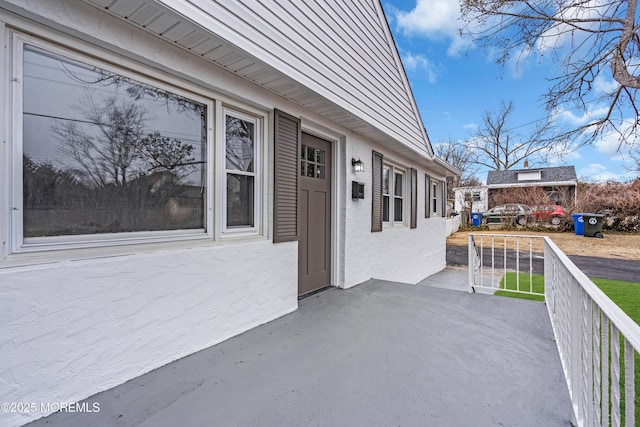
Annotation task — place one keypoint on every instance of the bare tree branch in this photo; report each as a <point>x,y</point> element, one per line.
<point>497,147</point>
<point>589,39</point>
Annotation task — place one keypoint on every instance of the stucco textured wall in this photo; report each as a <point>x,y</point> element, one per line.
<point>398,253</point>
<point>73,329</point>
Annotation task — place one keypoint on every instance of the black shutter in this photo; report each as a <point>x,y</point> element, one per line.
<point>414,198</point>
<point>427,196</point>
<point>287,134</point>
<point>376,198</point>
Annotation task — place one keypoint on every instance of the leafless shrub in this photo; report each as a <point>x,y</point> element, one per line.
<point>530,196</point>
<point>620,201</point>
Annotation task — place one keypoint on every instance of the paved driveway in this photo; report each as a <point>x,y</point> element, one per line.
<point>604,268</point>
<point>379,354</point>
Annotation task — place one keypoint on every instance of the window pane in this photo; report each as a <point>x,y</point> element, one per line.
<point>385,208</point>
<point>311,154</point>
<point>240,137</point>
<point>397,191</point>
<point>239,200</point>
<point>397,209</point>
<point>105,154</point>
<point>385,180</point>
<point>434,198</point>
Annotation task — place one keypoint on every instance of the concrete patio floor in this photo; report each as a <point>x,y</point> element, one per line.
<point>379,354</point>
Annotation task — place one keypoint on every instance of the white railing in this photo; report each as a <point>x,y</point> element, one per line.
<point>597,342</point>
<point>508,253</point>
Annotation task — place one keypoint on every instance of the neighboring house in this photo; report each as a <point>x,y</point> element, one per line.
<point>471,199</point>
<point>177,172</point>
<point>560,182</point>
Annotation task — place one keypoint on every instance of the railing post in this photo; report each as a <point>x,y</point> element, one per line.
<point>470,262</point>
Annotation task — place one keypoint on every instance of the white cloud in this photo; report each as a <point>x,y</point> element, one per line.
<point>561,34</point>
<point>610,146</point>
<point>603,85</point>
<point>415,63</point>
<point>435,19</point>
<point>595,172</point>
<point>470,126</point>
<point>579,120</point>
<point>555,155</point>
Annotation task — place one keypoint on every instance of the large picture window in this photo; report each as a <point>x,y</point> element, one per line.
<point>241,153</point>
<point>105,154</point>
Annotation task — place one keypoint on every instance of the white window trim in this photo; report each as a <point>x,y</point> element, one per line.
<point>393,170</point>
<point>257,173</point>
<point>16,242</point>
<point>436,196</point>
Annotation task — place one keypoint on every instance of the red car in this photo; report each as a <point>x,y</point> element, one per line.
<point>549,213</point>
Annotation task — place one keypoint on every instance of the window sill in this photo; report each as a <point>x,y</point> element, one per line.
<point>61,256</point>
<point>398,226</point>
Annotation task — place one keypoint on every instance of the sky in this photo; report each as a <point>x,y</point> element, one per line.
<point>454,83</point>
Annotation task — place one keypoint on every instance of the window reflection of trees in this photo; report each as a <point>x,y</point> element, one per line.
<point>240,157</point>
<point>110,170</point>
<point>239,141</point>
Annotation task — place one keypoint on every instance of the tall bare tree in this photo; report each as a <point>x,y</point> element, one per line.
<point>119,148</point>
<point>458,156</point>
<point>590,39</point>
<point>498,147</point>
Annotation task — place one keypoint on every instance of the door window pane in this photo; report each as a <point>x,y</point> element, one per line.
<point>103,153</point>
<point>314,166</point>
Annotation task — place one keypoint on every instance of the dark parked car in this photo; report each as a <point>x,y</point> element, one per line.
<point>508,214</point>
<point>549,213</point>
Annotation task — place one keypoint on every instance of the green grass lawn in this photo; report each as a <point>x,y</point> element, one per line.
<point>625,294</point>
<point>510,284</point>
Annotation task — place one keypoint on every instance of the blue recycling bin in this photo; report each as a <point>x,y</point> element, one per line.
<point>476,218</point>
<point>578,224</point>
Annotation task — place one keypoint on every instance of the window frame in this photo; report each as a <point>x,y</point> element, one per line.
<point>138,72</point>
<point>437,198</point>
<point>257,172</point>
<point>392,196</point>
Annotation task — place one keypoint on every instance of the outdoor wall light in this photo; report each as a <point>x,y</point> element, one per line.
<point>358,165</point>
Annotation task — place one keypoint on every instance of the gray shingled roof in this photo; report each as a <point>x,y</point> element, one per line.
<point>555,174</point>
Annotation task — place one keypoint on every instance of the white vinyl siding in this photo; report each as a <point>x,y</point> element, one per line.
<point>310,42</point>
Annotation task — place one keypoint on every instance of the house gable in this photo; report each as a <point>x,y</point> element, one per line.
<point>337,58</point>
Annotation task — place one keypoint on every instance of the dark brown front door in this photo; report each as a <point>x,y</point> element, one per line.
<point>314,211</point>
